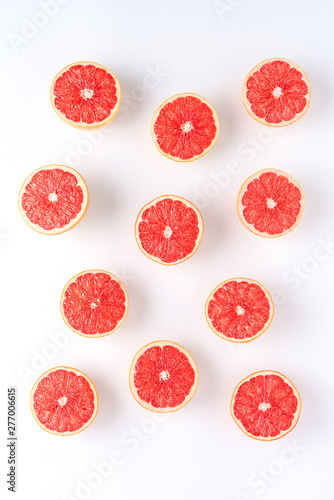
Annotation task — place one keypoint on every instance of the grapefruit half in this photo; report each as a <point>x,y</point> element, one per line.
<point>169,229</point>
<point>163,376</point>
<point>185,127</point>
<point>86,94</point>
<point>270,203</point>
<point>239,310</point>
<point>276,92</point>
<point>64,401</point>
<point>53,199</point>
<point>94,303</point>
<point>266,405</point>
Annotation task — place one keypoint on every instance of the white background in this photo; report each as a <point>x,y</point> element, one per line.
<point>207,48</point>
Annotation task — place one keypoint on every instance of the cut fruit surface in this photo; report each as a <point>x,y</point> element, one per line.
<point>185,127</point>
<point>86,94</point>
<point>94,303</point>
<point>169,229</point>
<point>64,401</point>
<point>266,405</point>
<point>239,309</point>
<point>276,92</point>
<point>163,376</point>
<point>270,203</point>
<point>53,199</point>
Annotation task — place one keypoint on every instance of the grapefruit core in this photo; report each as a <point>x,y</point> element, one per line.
<point>270,203</point>
<point>163,376</point>
<point>239,310</point>
<point>276,92</point>
<point>94,303</point>
<point>64,401</point>
<point>266,405</point>
<point>86,95</point>
<point>185,127</point>
<point>53,199</point>
<point>169,229</point>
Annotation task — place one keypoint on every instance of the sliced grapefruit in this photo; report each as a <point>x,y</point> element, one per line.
<point>239,310</point>
<point>266,405</point>
<point>53,199</point>
<point>185,127</point>
<point>94,303</point>
<point>86,94</point>
<point>169,229</point>
<point>276,92</point>
<point>163,376</point>
<point>64,401</point>
<point>270,203</point>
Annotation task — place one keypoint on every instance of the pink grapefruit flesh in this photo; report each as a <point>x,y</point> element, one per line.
<point>86,94</point>
<point>239,310</point>
<point>266,405</point>
<point>169,229</point>
<point>64,401</point>
<point>163,377</point>
<point>53,199</point>
<point>276,92</point>
<point>270,203</point>
<point>94,303</point>
<point>185,127</point>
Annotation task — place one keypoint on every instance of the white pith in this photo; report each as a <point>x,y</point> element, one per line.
<point>240,310</point>
<point>87,93</point>
<point>271,203</point>
<point>276,91</point>
<point>264,406</point>
<point>186,127</point>
<point>168,232</point>
<point>296,415</point>
<point>243,189</point>
<point>188,204</point>
<point>62,401</point>
<point>164,375</point>
<point>54,197</point>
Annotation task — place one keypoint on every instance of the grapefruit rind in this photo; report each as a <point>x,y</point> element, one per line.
<point>148,406</point>
<point>74,221</point>
<point>244,188</point>
<point>79,373</point>
<point>240,341</point>
<point>296,416</point>
<point>200,227</point>
<point>96,335</point>
<point>87,125</point>
<point>248,106</point>
<point>171,99</point>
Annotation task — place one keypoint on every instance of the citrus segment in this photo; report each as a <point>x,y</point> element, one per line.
<point>94,303</point>
<point>185,127</point>
<point>239,310</point>
<point>169,229</point>
<point>53,199</point>
<point>163,376</point>
<point>266,405</point>
<point>276,92</point>
<point>270,203</point>
<point>64,401</point>
<point>86,94</point>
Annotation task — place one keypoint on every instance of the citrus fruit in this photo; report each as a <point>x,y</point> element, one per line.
<point>86,94</point>
<point>239,309</point>
<point>185,127</point>
<point>169,229</point>
<point>276,92</point>
<point>270,203</point>
<point>94,303</point>
<point>266,405</point>
<point>163,376</point>
<point>64,401</point>
<point>53,199</point>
